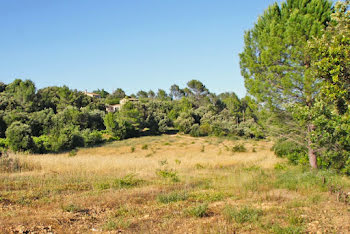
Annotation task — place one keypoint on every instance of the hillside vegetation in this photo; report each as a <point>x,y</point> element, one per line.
<point>173,184</point>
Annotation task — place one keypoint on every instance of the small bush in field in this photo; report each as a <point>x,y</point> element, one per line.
<point>168,174</point>
<point>239,148</point>
<point>144,147</point>
<point>242,215</point>
<point>127,181</point>
<point>132,149</point>
<point>198,211</point>
<point>172,197</point>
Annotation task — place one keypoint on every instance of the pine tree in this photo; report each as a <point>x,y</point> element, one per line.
<point>274,63</point>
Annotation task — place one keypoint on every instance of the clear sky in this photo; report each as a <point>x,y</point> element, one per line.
<point>129,44</point>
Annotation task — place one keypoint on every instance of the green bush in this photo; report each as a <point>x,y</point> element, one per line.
<point>198,211</point>
<point>290,150</point>
<point>42,144</point>
<point>91,138</point>
<point>19,137</point>
<point>239,148</point>
<point>168,174</point>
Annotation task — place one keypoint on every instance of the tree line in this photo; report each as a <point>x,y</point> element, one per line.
<point>56,119</point>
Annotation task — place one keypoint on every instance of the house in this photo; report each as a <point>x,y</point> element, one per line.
<point>128,99</point>
<point>117,107</point>
<point>113,108</point>
<point>93,95</point>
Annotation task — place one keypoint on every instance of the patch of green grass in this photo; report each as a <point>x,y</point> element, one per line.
<point>132,149</point>
<point>113,224</point>
<point>277,229</point>
<point>102,185</point>
<point>243,215</point>
<point>295,220</point>
<point>166,143</point>
<point>168,174</point>
<point>177,161</point>
<point>198,211</point>
<point>127,181</point>
<point>144,147</point>
<point>300,178</point>
<point>172,197</point>
<point>208,197</point>
<point>124,211</point>
<point>280,166</point>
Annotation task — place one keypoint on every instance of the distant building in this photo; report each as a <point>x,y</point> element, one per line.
<point>93,95</point>
<point>113,108</point>
<point>117,107</point>
<point>128,99</point>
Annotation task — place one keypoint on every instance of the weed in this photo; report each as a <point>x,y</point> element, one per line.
<point>111,224</point>
<point>73,153</point>
<point>163,162</point>
<point>280,166</point>
<point>149,155</point>
<point>127,181</point>
<point>168,174</point>
<point>239,148</point>
<point>132,149</point>
<point>208,197</point>
<point>254,150</point>
<point>124,211</point>
<point>243,215</point>
<point>295,220</point>
<point>177,161</point>
<point>277,229</point>
<point>144,147</point>
<point>71,208</point>
<point>198,211</point>
<point>203,148</point>
<point>166,143</point>
<point>102,186</point>
<point>198,166</point>
<point>172,197</point>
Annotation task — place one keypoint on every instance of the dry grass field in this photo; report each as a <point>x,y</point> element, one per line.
<point>170,184</point>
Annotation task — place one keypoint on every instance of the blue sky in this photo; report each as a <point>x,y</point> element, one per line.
<point>129,44</point>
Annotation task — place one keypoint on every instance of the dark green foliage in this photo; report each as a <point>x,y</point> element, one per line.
<point>295,153</point>
<point>19,137</point>
<point>239,148</point>
<point>61,119</point>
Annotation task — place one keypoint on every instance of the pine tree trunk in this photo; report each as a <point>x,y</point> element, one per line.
<point>311,152</point>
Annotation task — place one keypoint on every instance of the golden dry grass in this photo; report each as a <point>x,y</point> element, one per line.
<point>159,185</point>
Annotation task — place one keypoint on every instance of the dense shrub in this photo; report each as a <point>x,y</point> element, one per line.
<point>19,137</point>
<point>295,153</point>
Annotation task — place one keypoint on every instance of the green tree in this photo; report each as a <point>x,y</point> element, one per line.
<point>331,64</point>
<point>274,63</point>
<point>19,137</point>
